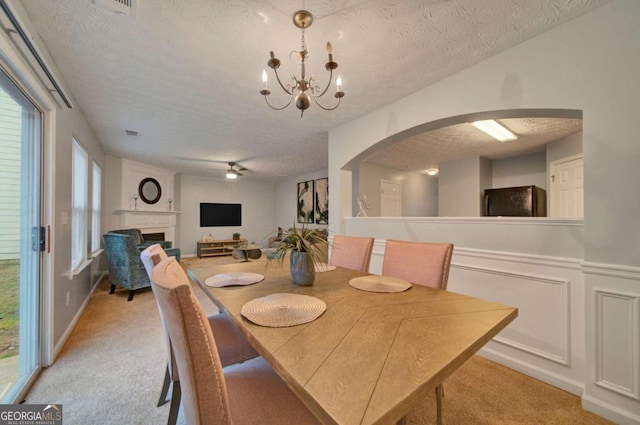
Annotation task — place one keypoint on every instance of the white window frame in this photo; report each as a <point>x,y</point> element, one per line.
<point>96,208</point>
<point>79,206</point>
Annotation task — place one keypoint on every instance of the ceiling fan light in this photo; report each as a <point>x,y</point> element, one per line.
<point>495,130</point>
<point>232,174</point>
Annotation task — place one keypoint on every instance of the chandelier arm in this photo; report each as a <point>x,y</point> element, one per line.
<point>290,93</point>
<point>276,108</point>
<point>328,84</point>
<point>325,108</point>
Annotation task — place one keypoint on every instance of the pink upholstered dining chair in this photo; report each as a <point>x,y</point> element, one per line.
<point>421,263</point>
<point>232,345</point>
<point>351,252</point>
<point>247,393</point>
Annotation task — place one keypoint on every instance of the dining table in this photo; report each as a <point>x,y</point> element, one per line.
<point>370,356</point>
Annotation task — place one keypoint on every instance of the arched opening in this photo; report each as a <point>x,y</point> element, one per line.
<point>469,161</point>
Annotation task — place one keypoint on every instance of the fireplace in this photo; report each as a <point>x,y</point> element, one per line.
<point>153,237</point>
<point>154,225</point>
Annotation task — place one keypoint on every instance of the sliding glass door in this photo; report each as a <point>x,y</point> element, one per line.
<point>20,255</point>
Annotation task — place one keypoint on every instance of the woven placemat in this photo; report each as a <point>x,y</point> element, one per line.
<point>323,267</point>
<point>282,310</point>
<point>233,279</point>
<point>374,283</point>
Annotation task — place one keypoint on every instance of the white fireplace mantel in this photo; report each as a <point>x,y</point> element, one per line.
<point>145,212</point>
<point>150,220</point>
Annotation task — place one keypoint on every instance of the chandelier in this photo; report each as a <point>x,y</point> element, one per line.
<point>302,89</point>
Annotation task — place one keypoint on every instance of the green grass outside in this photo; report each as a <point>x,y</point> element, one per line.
<point>9,307</point>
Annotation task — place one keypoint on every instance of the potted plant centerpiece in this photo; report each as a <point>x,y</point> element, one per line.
<point>305,248</point>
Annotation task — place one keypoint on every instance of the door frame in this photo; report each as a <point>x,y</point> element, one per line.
<point>13,64</point>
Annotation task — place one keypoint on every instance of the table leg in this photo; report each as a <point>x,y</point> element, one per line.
<point>439,393</point>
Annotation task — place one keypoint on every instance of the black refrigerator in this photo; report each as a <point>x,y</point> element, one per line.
<point>521,201</point>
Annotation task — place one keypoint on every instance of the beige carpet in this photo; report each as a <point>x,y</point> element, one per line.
<point>112,367</point>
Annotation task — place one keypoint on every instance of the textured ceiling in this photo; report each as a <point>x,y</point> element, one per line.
<point>185,74</point>
<point>427,150</point>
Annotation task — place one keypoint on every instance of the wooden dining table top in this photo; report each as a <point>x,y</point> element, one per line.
<point>370,356</point>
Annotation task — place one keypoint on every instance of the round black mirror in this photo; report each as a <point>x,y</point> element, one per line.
<point>149,190</point>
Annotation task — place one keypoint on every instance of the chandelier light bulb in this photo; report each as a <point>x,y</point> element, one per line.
<point>265,77</point>
<point>339,83</point>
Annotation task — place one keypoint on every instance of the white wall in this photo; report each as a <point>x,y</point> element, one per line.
<point>420,197</point>
<point>112,173</point>
<point>71,122</point>
<point>285,201</point>
<point>522,170</point>
<point>460,191</point>
<point>257,199</point>
<point>565,147</point>
<point>419,192</point>
<point>124,177</point>
<point>569,67</point>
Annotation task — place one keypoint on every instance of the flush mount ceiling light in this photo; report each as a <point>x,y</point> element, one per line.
<point>432,171</point>
<point>302,89</point>
<point>495,130</point>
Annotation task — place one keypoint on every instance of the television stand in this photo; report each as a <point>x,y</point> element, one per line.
<point>218,247</point>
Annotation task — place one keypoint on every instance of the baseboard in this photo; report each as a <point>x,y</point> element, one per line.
<point>558,381</point>
<point>95,285</point>
<point>609,411</point>
<point>58,347</point>
<point>591,404</point>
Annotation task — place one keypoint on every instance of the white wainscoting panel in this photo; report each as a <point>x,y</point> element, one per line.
<point>612,381</point>
<point>542,326</point>
<point>617,327</point>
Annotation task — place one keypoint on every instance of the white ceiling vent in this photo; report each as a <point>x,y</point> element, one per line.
<point>124,7</point>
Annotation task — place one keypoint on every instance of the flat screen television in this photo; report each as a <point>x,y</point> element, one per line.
<point>215,215</point>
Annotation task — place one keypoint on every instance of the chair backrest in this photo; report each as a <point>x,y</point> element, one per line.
<point>123,259</point>
<point>204,391</point>
<point>351,252</point>
<point>148,259</point>
<point>421,263</point>
<point>136,234</point>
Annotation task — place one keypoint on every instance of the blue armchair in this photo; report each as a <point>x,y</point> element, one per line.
<point>139,239</point>
<point>125,267</point>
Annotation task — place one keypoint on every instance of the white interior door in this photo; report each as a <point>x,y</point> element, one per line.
<point>390,199</point>
<point>567,187</point>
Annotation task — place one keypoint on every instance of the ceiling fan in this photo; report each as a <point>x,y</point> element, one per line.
<point>234,170</point>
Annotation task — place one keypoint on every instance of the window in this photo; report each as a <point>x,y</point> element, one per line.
<point>80,168</point>
<point>95,208</point>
